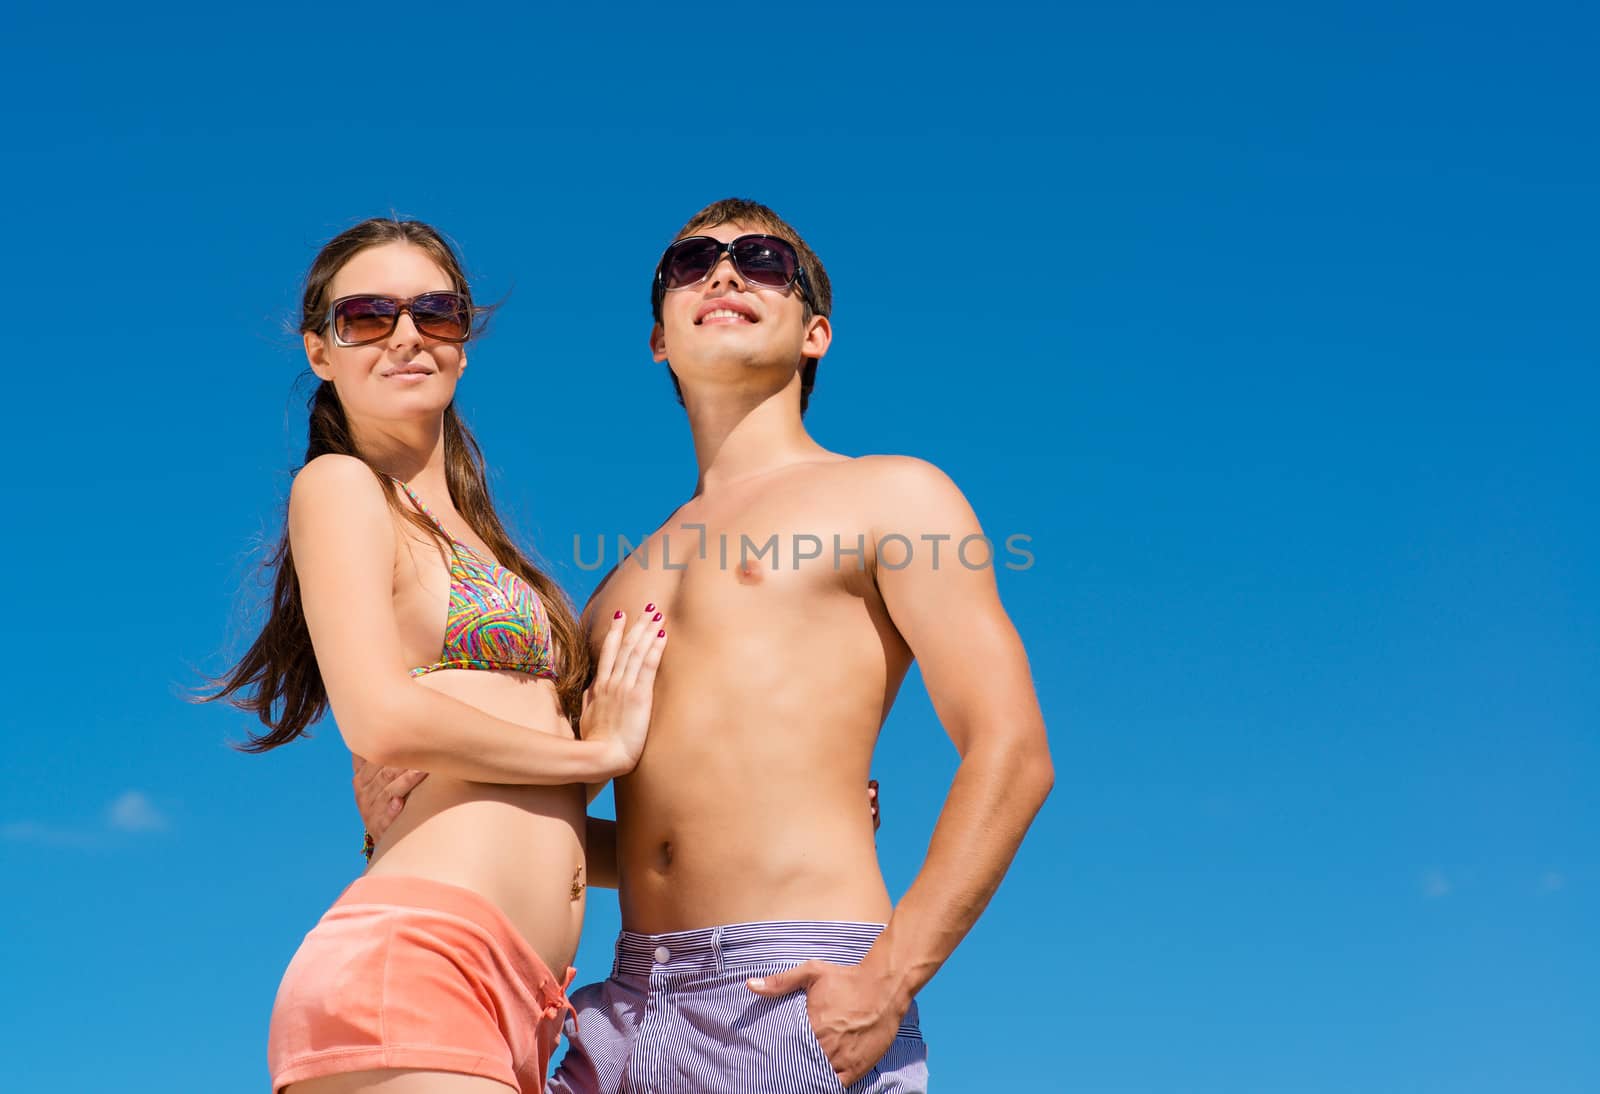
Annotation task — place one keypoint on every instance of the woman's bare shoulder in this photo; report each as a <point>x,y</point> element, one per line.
<point>337,491</point>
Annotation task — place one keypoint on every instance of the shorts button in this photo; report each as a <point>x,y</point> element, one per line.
<point>662,955</point>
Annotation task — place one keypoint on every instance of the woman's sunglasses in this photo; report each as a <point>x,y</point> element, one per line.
<point>762,260</point>
<point>366,318</point>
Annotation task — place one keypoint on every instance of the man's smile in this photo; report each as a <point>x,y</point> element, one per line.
<point>725,310</point>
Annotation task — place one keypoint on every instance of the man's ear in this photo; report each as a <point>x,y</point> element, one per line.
<point>658,343</point>
<point>819,336</point>
<point>317,355</point>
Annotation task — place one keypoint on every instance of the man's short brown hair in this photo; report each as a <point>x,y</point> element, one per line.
<point>753,213</point>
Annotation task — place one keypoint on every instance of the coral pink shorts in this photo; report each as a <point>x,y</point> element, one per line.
<point>408,973</point>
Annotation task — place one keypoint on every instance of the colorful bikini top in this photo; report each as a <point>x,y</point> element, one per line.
<point>495,621</point>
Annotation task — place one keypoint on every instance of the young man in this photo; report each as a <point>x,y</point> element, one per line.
<point>800,584</point>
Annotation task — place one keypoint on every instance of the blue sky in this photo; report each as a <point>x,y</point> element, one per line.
<point>1273,329</point>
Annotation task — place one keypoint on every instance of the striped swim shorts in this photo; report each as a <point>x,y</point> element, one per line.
<point>677,1018</point>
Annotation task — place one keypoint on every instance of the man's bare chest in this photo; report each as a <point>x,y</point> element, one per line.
<point>729,563</point>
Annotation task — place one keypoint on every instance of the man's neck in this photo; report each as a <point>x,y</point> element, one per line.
<point>740,434</point>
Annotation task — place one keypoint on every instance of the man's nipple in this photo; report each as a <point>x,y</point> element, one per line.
<point>749,573</point>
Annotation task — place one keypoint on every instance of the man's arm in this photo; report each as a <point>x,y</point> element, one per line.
<point>600,840</point>
<point>381,792</point>
<point>977,676</point>
<point>976,673</point>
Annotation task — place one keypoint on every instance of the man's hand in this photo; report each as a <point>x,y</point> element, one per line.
<point>872,803</point>
<point>381,793</point>
<point>854,1011</point>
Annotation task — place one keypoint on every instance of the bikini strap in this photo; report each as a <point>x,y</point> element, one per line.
<point>423,509</point>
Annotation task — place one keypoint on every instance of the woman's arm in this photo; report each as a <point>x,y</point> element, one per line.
<point>342,540</point>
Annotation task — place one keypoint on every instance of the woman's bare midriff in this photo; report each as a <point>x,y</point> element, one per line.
<point>519,846</point>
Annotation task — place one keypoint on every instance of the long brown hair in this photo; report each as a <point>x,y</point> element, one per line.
<point>278,679</point>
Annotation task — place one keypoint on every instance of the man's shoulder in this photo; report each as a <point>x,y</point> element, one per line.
<point>906,494</point>
<point>907,479</point>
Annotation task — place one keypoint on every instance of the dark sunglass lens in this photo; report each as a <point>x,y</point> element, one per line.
<point>363,318</point>
<point>688,261</point>
<point>765,260</point>
<point>442,315</point>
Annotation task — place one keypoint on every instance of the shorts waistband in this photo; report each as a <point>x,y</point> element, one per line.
<point>439,896</point>
<point>736,945</point>
<point>413,893</point>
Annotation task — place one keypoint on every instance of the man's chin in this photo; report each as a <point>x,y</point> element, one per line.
<point>722,368</point>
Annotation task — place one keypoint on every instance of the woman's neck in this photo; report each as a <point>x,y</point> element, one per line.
<point>412,452</point>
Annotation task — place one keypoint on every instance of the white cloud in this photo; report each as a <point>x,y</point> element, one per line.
<point>46,835</point>
<point>1435,884</point>
<point>133,812</point>
<point>130,811</point>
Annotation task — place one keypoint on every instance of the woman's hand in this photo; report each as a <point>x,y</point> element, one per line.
<point>616,708</point>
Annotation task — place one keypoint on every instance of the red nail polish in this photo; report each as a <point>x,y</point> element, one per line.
<point>661,634</point>
<point>657,618</point>
<point>649,607</point>
<point>618,615</point>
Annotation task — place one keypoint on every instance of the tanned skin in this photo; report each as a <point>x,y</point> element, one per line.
<point>745,804</point>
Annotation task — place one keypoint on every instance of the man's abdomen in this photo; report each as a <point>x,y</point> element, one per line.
<point>756,854</point>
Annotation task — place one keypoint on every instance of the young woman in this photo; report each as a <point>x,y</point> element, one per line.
<point>401,603</point>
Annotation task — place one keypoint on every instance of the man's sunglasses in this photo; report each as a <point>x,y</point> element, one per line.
<point>366,318</point>
<point>764,261</point>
